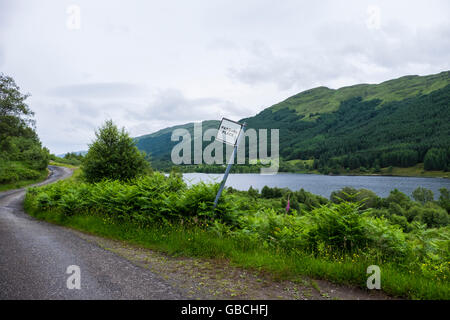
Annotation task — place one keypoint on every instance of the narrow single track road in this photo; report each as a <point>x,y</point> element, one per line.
<point>35,255</point>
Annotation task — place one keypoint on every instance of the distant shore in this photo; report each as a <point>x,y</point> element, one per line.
<point>416,171</point>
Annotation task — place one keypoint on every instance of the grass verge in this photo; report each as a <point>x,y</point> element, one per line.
<point>60,164</point>
<point>24,183</point>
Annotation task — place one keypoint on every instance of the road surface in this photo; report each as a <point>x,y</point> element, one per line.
<point>34,257</point>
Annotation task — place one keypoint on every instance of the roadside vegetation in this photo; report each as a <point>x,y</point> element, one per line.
<point>23,160</point>
<point>334,239</point>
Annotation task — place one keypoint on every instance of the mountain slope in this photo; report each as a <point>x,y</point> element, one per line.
<point>159,144</point>
<point>319,100</point>
<point>362,133</point>
<point>399,122</point>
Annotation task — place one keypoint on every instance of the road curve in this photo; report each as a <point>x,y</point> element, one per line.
<point>34,256</point>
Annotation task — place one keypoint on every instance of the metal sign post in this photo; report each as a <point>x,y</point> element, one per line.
<point>229,132</point>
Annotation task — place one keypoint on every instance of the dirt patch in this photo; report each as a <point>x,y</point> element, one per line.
<point>203,279</point>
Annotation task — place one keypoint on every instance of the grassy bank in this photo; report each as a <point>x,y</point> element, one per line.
<point>326,240</point>
<point>415,171</point>
<point>16,175</point>
<point>195,241</point>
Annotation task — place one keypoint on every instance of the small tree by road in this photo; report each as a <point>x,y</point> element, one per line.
<point>113,155</point>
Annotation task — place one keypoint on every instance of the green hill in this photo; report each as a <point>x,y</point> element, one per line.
<point>319,100</point>
<point>399,122</point>
<point>159,144</point>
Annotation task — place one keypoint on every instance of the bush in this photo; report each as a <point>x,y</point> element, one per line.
<point>423,195</point>
<point>400,221</point>
<point>43,201</point>
<point>367,198</point>
<point>397,197</point>
<point>387,238</point>
<point>13,171</point>
<point>337,226</point>
<point>113,155</point>
<point>444,199</point>
<point>434,217</point>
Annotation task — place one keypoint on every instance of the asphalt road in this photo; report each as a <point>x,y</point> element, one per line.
<point>34,257</point>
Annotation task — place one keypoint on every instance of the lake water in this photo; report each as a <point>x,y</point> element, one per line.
<point>323,185</point>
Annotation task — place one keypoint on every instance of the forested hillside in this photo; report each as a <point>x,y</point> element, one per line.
<point>365,134</point>
<point>159,144</point>
<point>397,123</point>
<point>22,157</point>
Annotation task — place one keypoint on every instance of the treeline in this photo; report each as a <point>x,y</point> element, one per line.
<point>22,156</point>
<point>71,158</point>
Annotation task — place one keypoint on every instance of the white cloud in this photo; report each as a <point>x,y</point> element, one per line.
<point>149,64</point>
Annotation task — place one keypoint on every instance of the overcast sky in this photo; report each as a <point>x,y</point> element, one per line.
<point>152,64</point>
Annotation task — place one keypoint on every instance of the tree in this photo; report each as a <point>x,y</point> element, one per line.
<point>14,112</point>
<point>21,154</point>
<point>253,192</point>
<point>444,199</point>
<point>435,159</point>
<point>423,195</point>
<point>113,155</point>
<point>12,101</point>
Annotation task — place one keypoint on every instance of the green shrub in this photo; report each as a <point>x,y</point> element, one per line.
<point>367,198</point>
<point>434,216</point>
<point>338,226</point>
<point>444,199</point>
<point>423,195</point>
<point>113,155</point>
<point>400,221</point>
<point>389,239</point>
<point>43,201</point>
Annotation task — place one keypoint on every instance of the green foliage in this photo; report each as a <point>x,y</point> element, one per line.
<point>433,216</point>
<point>269,193</point>
<point>300,200</point>
<point>144,200</point>
<point>367,198</point>
<point>398,198</point>
<point>410,237</point>
<point>254,193</point>
<point>22,157</point>
<point>444,199</point>
<point>337,226</point>
<point>71,158</point>
<point>12,171</point>
<point>436,159</point>
<point>113,155</point>
<point>423,195</point>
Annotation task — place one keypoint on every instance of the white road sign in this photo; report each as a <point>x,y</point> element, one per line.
<point>229,131</point>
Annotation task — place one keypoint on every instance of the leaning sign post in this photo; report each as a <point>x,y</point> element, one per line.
<point>230,132</point>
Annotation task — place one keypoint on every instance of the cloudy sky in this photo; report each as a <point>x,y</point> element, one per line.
<point>152,64</point>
